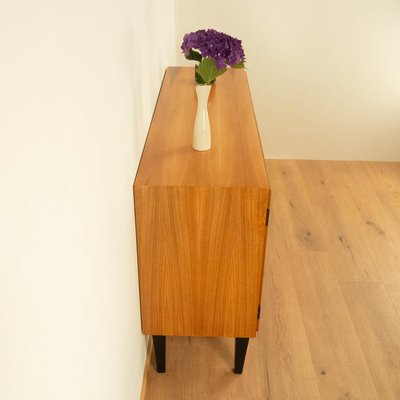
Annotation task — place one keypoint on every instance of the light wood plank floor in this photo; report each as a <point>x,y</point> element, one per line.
<point>330,323</point>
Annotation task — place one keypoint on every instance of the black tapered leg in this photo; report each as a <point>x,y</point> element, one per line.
<point>240,354</point>
<point>159,350</point>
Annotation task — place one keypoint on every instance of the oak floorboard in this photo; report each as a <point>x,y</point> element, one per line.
<point>339,362</point>
<point>393,291</point>
<point>326,192</point>
<point>201,368</point>
<point>378,327</point>
<point>294,208</point>
<point>283,341</point>
<point>376,228</point>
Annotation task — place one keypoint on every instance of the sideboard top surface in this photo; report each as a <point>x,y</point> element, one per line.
<point>235,159</point>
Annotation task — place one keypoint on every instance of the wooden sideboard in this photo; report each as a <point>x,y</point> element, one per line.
<point>201,217</point>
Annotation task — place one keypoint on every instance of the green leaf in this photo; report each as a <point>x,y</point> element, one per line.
<point>239,65</point>
<point>220,72</point>
<point>208,70</point>
<point>198,79</point>
<point>194,55</point>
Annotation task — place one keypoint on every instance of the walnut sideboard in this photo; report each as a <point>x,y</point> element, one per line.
<point>201,217</point>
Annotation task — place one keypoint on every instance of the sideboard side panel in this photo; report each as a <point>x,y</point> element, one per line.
<point>201,254</point>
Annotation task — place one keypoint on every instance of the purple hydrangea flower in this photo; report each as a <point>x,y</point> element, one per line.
<point>225,50</point>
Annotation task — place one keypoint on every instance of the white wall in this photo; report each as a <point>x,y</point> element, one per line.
<point>78,83</point>
<point>325,75</point>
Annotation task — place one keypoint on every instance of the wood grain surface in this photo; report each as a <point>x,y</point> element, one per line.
<point>235,158</point>
<point>200,216</point>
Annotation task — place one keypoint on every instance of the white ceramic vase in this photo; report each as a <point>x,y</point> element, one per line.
<point>201,132</point>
